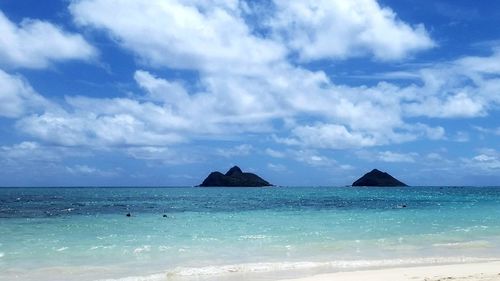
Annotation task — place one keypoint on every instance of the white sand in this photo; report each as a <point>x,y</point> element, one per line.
<point>489,271</point>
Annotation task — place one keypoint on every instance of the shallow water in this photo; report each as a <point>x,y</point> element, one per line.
<point>239,233</point>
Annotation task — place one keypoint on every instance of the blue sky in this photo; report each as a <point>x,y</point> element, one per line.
<point>161,92</point>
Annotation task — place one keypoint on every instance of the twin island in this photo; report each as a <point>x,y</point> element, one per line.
<point>235,177</point>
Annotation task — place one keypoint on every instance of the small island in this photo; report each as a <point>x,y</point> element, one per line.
<point>378,178</point>
<point>234,178</point>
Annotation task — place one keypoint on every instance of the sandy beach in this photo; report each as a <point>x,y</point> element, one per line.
<point>489,271</point>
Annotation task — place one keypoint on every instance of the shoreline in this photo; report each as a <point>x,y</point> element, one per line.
<point>468,271</point>
<point>483,271</point>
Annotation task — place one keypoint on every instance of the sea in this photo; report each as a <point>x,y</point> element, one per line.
<point>192,233</point>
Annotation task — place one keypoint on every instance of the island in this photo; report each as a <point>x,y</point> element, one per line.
<point>378,178</point>
<point>234,178</point>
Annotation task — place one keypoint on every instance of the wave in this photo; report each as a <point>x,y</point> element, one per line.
<point>253,237</point>
<point>465,245</point>
<point>182,273</point>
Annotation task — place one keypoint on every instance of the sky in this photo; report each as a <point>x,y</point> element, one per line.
<point>306,92</point>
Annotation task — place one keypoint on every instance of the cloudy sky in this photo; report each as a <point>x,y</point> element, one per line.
<point>306,92</point>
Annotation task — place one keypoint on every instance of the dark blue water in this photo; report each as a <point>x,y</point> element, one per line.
<point>48,202</point>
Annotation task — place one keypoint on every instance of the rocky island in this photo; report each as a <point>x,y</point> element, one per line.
<point>234,178</point>
<point>378,178</point>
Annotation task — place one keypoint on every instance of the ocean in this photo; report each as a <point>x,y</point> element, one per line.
<point>239,233</point>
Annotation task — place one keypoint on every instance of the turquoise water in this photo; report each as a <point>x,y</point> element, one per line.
<point>239,233</point>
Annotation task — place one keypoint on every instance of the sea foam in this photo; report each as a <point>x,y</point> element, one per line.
<point>465,245</point>
<point>181,273</point>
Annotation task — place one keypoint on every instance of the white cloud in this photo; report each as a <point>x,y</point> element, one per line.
<point>164,155</point>
<point>17,97</point>
<point>161,90</point>
<point>318,29</point>
<point>241,91</point>
<point>207,35</point>
<point>86,170</point>
<point>36,43</point>
<point>29,151</point>
<point>457,105</point>
<point>215,35</point>
<point>245,83</point>
<point>487,162</point>
<point>481,64</point>
<point>425,131</point>
<point>330,136</point>
<point>438,162</point>
<point>102,122</point>
<point>335,136</point>
<point>484,158</point>
<point>464,88</point>
<point>167,114</point>
<point>312,158</point>
<point>150,152</point>
<point>225,103</point>
<point>388,156</point>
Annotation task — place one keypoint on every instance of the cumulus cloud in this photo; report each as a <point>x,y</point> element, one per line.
<point>172,93</point>
<point>334,136</point>
<point>216,36</point>
<point>102,122</point>
<point>17,97</point>
<point>29,151</point>
<point>225,103</point>
<point>329,136</point>
<point>339,29</point>
<point>455,105</point>
<point>207,35</point>
<point>36,44</point>
<point>165,115</point>
<point>345,117</point>
<point>246,83</point>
